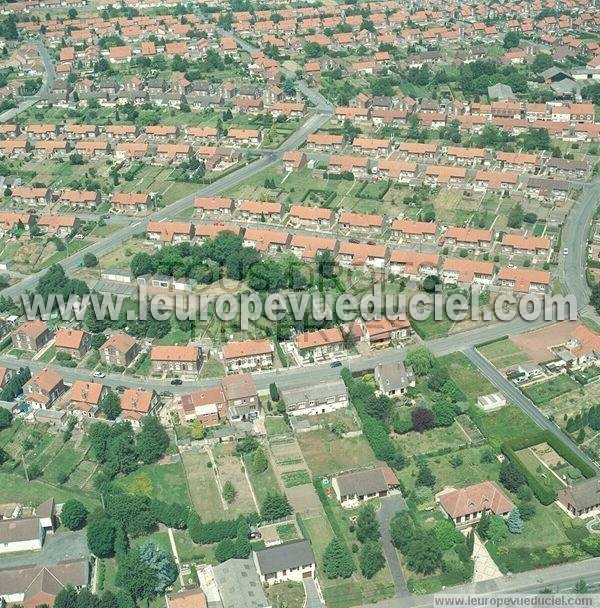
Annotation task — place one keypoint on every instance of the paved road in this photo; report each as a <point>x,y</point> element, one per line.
<point>517,397</point>
<point>312,599</point>
<point>390,505</point>
<point>561,578</point>
<point>574,238</point>
<point>47,84</point>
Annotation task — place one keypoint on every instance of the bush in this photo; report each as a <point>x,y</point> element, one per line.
<point>74,514</point>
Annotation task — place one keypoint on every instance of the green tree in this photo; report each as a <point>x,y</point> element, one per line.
<point>110,405</point>
<point>132,512</point>
<point>447,534</point>
<point>161,563</point>
<point>510,477</point>
<point>229,492</point>
<point>90,260</point>
<point>371,559</point>
<point>511,40</point>
<point>225,550</point>
<point>498,529</point>
<point>367,526</point>
<point>74,514</point>
<point>581,586</point>
<point>483,525</point>
<point>425,476</point>
<point>136,576</point>
<point>66,598</point>
<point>424,554</point>
<point>514,522</point>
<point>275,506</point>
<point>101,537</point>
<point>259,461</point>
<point>198,430</point>
<point>337,562</point>
<point>421,360</point>
<point>5,418</point>
<point>152,441</point>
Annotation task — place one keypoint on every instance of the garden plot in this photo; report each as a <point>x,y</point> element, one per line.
<point>230,468</point>
<point>536,465</point>
<point>327,454</point>
<point>202,485</point>
<point>470,429</point>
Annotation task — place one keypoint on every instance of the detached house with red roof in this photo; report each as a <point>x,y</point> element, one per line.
<point>320,344</point>
<point>466,506</point>
<point>86,398</point>
<point>119,350</point>
<point>31,336</point>
<point>167,359</point>
<point>248,356</point>
<point>135,404</point>
<point>75,342</point>
<point>43,389</point>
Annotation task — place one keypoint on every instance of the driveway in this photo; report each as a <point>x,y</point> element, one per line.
<point>57,547</point>
<point>485,567</point>
<point>390,505</point>
<point>312,599</point>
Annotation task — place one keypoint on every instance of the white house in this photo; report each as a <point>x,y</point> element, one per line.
<point>291,561</point>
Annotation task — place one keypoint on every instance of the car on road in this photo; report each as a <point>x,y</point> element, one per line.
<point>120,388</point>
<point>565,251</point>
<point>336,364</point>
<point>177,381</point>
<point>99,375</point>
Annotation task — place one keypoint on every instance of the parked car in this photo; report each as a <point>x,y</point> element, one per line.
<point>177,381</point>
<point>336,364</point>
<point>99,375</point>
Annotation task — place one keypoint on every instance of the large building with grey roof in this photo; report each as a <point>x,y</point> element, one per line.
<point>239,585</point>
<point>291,561</point>
<point>320,398</point>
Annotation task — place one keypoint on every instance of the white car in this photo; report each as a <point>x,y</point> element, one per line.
<point>565,251</point>
<point>99,374</point>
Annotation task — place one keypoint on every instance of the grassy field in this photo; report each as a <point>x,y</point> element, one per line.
<point>326,454</point>
<point>503,424</point>
<point>290,595</point>
<point>64,463</point>
<point>162,481</point>
<point>466,376</point>
<point>538,469</point>
<point>202,485</point>
<point>16,489</point>
<point>470,471</point>
<point>432,440</point>
<point>295,478</point>
<point>545,391</point>
<point>276,425</point>
<point>503,353</point>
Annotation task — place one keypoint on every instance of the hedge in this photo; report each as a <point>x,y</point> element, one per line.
<point>544,494</point>
<point>561,448</point>
<point>216,531</point>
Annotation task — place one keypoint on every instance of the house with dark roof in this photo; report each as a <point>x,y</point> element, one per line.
<point>394,378</point>
<point>32,586</point>
<point>315,398</point>
<point>239,585</point>
<point>353,487</point>
<point>291,561</point>
<point>582,497</point>
<point>16,535</point>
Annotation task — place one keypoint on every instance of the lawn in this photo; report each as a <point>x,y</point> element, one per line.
<point>189,551</point>
<point>470,471</point>
<point>466,376</point>
<point>544,391</point>
<point>213,368</point>
<point>290,595</point>
<point>65,462</point>
<point>162,481</point>
<point>432,440</point>
<point>202,485</point>
<point>16,489</point>
<point>543,542</point>
<point>276,425</point>
<point>503,353</point>
<point>506,423</point>
<point>326,454</point>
